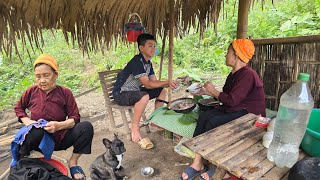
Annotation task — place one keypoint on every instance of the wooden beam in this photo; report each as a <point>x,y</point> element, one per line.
<point>243,12</point>
<point>171,36</point>
<point>288,40</point>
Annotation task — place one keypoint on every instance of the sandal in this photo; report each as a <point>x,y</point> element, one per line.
<point>192,173</point>
<point>210,173</point>
<point>77,170</point>
<point>145,143</point>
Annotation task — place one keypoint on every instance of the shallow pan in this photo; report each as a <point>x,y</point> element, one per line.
<point>208,104</point>
<point>181,105</point>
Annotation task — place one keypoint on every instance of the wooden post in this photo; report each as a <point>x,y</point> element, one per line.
<point>171,33</point>
<point>243,11</point>
<point>162,52</point>
<point>167,134</point>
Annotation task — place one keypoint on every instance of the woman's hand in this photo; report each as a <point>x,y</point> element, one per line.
<point>209,86</point>
<point>211,89</point>
<point>27,121</point>
<point>201,92</point>
<point>52,126</point>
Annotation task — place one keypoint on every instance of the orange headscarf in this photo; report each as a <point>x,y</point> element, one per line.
<point>244,48</point>
<point>48,60</point>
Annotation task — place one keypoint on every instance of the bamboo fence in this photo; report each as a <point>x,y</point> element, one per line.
<point>278,62</point>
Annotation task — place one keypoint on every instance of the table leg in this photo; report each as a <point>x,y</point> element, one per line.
<point>167,134</point>
<point>219,174</point>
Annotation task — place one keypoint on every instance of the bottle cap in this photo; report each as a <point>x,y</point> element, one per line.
<point>303,77</point>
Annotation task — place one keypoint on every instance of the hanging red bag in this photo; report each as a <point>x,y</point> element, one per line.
<point>134,27</point>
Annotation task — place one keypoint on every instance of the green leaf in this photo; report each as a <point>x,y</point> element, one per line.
<point>170,112</point>
<point>188,118</point>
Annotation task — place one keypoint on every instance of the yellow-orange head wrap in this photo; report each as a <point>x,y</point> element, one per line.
<point>244,48</point>
<point>48,60</point>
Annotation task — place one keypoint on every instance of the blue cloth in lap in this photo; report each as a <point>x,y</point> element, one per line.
<point>46,145</point>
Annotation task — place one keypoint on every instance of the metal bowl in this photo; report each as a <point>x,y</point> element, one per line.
<point>147,171</point>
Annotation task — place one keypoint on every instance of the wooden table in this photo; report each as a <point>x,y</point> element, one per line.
<point>237,147</point>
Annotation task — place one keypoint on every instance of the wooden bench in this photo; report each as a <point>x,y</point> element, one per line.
<point>237,147</point>
<point>107,80</point>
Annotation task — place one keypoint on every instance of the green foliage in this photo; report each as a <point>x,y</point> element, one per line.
<point>285,18</point>
<point>13,81</point>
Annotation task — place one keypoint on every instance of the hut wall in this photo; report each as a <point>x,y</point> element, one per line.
<point>279,61</point>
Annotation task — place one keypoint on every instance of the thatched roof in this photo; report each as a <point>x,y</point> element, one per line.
<point>96,22</point>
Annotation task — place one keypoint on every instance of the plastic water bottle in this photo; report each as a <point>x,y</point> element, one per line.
<point>291,122</point>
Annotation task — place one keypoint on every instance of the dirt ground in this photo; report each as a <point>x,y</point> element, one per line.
<point>162,157</point>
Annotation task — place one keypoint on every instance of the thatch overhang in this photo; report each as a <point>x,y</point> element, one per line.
<point>96,24</point>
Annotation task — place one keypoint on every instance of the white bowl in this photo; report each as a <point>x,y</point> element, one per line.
<point>194,88</point>
<point>147,171</point>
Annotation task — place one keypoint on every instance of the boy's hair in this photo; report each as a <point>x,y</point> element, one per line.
<point>142,39</point>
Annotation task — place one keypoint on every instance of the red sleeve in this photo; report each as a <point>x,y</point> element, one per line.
<point>22,104</point>
<point>72,108</point>
<point>239,92</point>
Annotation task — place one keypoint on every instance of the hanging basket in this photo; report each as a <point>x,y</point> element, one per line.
<point>134,27</point>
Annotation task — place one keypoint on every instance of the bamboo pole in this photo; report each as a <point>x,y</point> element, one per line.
<point>162,52</point>
<point>171,33</point>
<point>242,28</point>
<point>288,40</point>
<point>167,134</point>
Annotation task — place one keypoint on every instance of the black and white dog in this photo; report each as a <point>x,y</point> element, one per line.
<point>108,165</point>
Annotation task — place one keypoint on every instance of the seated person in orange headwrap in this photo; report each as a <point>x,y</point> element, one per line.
<point>54,109</point>
<point>242,93</point>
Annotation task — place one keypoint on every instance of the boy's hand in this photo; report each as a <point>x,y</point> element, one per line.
<point>173,85</point>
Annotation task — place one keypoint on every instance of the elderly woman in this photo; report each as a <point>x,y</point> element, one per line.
<point>242,93</point>
<point>56,106</point>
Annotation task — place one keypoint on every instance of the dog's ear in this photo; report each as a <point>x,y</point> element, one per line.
<point>115,136</point>
<point>107,143</point>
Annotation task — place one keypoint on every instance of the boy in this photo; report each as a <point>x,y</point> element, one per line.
<point>136,84</point>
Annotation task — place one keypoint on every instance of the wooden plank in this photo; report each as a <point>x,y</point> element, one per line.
<point>259,170</point>
<point>275,173</point>
<point>239,148</point>
<point>217,131</point>
<point>243,156</point>
<point>220,129</point>
<point>213,142</point>
<point>4,175</point>
<point>309,62</point>
<point>6,123</point>
<point>7,140</point>
<point>245,166</point>
<point>251,135</point>
<point>285,177</point>
<point>279,173</point>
